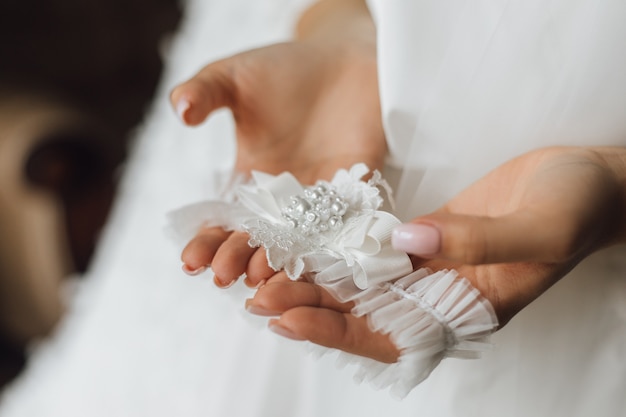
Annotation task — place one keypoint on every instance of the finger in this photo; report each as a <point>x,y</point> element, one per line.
<point>209,90</point>
<point>279,296</point>
<point>200,251</point>
<point>258,271</point>
<point>335,330</point>
<point>280,276</point>
<point>523,236</point>
<point>231,258</point>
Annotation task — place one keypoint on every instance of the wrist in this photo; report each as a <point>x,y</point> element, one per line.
<point>343,33</point>
<point>337,21</point>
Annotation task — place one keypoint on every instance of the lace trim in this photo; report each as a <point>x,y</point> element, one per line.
<point>335,235</point>
<point>429,316</point>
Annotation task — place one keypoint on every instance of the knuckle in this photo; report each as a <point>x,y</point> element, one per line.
<point>469,244</point>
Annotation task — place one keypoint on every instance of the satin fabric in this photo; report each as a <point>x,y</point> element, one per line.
<point>142,339</point>
<point>467,85</point>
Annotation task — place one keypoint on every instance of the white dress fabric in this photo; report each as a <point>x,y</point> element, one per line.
<point>465,86</point>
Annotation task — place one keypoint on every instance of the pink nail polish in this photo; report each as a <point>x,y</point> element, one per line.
<point>284,332</point>
<point>181,108</point>
<point>187,270</point>
<point>417,239</point>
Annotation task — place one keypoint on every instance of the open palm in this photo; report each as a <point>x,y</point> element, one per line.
<point>513,234</point>
<point>521,228</point>
<point>298,107</point>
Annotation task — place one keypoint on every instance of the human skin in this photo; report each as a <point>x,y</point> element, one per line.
<point>513,233</point>
<point>309,106</point>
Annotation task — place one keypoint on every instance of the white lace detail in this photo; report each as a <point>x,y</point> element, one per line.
<point>335,235</point>
<point>339,220</point>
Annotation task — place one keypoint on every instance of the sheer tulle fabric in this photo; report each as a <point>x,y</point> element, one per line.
<point>466,86</point>
<point>334,234</point>
<point>429,316</point>
<point>143,340</point>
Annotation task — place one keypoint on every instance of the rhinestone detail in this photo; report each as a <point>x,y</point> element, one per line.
<point>318,210</point>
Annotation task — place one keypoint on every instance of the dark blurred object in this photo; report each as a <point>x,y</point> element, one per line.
<point>76,77</point>
<point>102,55</point>
<point>13,360</point>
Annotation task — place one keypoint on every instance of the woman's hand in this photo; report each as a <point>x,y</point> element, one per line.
<point>309,107</point>
<point>521,228</point>
<point>305,311</point>
<point>513,234</point>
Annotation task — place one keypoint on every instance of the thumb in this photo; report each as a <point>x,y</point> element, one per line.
<point>212,88</point>
<point>475,240</point>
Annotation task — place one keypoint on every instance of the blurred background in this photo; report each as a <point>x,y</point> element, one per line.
<point>76,77</point>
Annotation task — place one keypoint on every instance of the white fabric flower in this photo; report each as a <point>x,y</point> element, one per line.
<point>338,220</point>
<point>336,235</point>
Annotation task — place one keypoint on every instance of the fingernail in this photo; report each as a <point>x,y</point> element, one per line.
<point>181,108</point>
<point>282,331</point>
<point>187,270</point>
<point>258,310</point>
<point>417,239</point>
<point>256,286</point>
<point>221,284</point>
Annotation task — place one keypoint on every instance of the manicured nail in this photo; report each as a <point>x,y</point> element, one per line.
<point>282,331</point>
<point>417,239</point>
<point>256,286</point>
<point>181,108</point>
<point>221,284</point>
<point>187,270</point>
<point>258,310</point>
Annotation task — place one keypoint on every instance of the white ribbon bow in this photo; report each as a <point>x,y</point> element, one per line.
<point>362,244</point>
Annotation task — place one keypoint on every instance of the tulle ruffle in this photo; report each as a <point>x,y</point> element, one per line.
<point>428,315</point>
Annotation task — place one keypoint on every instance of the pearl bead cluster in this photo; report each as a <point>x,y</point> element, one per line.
<point>320,209</point>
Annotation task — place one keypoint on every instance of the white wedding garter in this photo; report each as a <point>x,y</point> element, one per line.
<point>334,235</point>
